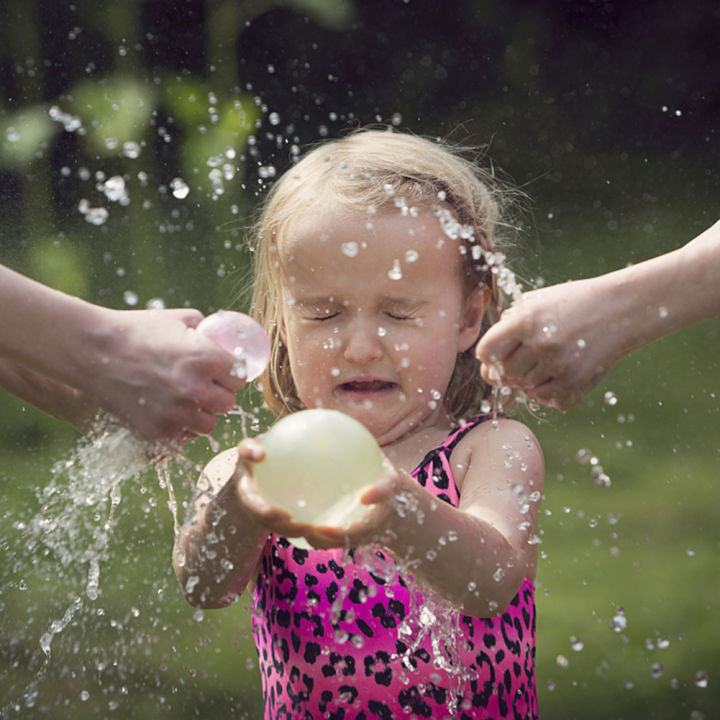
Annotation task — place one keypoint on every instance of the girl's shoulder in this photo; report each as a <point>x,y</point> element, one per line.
<point>499,440</point>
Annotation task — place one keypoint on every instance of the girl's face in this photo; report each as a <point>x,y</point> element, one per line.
<point>374,317</point>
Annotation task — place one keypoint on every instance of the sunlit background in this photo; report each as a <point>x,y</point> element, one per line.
<point>136,139</point>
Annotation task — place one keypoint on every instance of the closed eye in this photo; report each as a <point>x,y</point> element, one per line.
<point>398,316</point>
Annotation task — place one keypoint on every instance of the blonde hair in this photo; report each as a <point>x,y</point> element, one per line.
<point>375,169</point>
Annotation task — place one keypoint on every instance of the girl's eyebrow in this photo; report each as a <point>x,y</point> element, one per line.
<point>314,300</point>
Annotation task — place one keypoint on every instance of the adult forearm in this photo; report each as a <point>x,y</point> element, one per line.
<point>54,398</point>
<point>667,293</point>
<point>42,328</point>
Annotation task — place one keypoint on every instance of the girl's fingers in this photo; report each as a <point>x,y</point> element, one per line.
<point>250,450</point>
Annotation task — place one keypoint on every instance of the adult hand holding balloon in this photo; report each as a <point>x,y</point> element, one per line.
<point>242,337</point>
<point>317,465</point>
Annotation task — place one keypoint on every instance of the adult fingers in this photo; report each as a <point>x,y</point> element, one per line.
<point>228,377</point>
<point>189,316</point>
<point>516,366</point>
<point>200,422</point>
<point>218,400</point>
<point>554,394</point>
<point>503,338</point>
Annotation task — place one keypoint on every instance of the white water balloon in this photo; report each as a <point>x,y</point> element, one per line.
<point>318,463</point>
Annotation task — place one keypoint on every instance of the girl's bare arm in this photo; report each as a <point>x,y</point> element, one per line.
<point>477,555</point>
<point>217,551</point>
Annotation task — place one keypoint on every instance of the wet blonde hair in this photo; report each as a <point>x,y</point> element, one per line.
<point>376,169</point>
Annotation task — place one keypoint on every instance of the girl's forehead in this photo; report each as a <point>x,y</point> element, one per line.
<point>349,233</point>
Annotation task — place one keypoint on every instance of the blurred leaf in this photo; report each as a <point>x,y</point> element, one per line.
<point>333,14</point>
<point>114,111</point>
<point>186,99</point>
<point>23,133</point>
<point>209,153</point>
<point>59,264</point>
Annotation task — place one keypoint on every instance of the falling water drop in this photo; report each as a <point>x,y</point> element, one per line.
<point>179,188</point>
<point>350,249</point>
<point>619,622</point>
<point>610,398</point>
<point>701,679</point>
<point>130,298</point>
<point>395,273</point>
<point>656,670</point>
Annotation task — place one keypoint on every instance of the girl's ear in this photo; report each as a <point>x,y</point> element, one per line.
<point>473,313</point>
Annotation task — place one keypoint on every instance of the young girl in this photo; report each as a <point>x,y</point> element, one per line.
<point>375,278</point>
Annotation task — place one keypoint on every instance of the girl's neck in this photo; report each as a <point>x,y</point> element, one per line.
<point>407,451</point>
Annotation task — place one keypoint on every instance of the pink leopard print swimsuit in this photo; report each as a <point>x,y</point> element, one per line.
<point>330,641</point>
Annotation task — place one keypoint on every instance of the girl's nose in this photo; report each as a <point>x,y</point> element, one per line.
<point>363,343</point>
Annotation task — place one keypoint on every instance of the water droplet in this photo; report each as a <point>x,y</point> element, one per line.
<point>599,477</point>
<point>274,118</point>
<point>12,134</point>
<point>576,643</point>
<point>350,249</point>
<point>656,670</point>
<point>267,171</point>
<point>179,188</point>
<point>395,273</point>
<point>701,679</point>
<point>396,119</point>
<point>131,149</point>
<point>130,298</point>
<point>562,661</point>
<point>84,695</point>
<point>96,215</point>
<point>155,304</point>
<point>662,312</point>
<point>610,398</point>
<point>581,343</point>
<point>115,190</point>
<point>619,621</point>
<point>583,456</point>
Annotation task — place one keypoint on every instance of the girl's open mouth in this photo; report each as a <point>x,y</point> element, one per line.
<point>367,387</point>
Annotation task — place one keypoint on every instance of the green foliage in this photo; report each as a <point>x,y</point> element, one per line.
<point>335,14</point>
<point>117,108</point>
<point>61,264</point>
<point>23,134</point>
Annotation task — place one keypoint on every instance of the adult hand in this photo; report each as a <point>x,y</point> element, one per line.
<point>153,371</point>
<point>556,343</point>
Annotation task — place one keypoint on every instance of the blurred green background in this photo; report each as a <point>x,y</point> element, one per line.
<point>605,114</point>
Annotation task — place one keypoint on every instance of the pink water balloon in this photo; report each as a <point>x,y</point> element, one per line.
<point>241,336</point>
